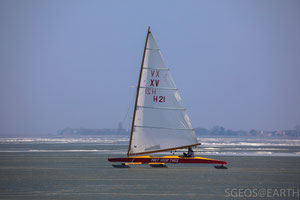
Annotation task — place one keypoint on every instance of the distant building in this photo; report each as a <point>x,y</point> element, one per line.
<point>84,131</point>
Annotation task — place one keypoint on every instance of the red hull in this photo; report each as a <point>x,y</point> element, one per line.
<point>167,159</point>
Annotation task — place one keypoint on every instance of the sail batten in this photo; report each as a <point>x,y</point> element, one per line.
<point>166,69</point>
<point>160,119</point>
<point>160,88</point>
<point>162,108</point>
<point>183,129</point>
<point>153,49</point>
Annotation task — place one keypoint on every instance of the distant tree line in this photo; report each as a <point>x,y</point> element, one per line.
<point>221,131</point>
<point>214,131</point>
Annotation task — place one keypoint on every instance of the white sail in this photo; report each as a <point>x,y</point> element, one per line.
<point>161,121</point>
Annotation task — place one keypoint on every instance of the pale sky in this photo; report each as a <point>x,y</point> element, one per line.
<point>71,63</point>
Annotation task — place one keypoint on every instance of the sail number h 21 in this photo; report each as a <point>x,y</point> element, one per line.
<point>154,83</point>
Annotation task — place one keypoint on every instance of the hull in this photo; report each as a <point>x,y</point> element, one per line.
<point>167,159</point>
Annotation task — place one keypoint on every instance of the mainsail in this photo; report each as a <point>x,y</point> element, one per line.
<point>160,121</point>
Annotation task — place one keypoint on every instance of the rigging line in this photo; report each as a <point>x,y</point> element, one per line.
<point>129,107</point>
<point>122,122</point>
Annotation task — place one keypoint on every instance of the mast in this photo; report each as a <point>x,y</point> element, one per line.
<point>137,92</point>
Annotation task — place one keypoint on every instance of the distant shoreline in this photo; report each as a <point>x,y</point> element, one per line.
<point>214,131</point>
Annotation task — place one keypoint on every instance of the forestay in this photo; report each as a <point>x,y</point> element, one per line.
<point>161,121</point>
